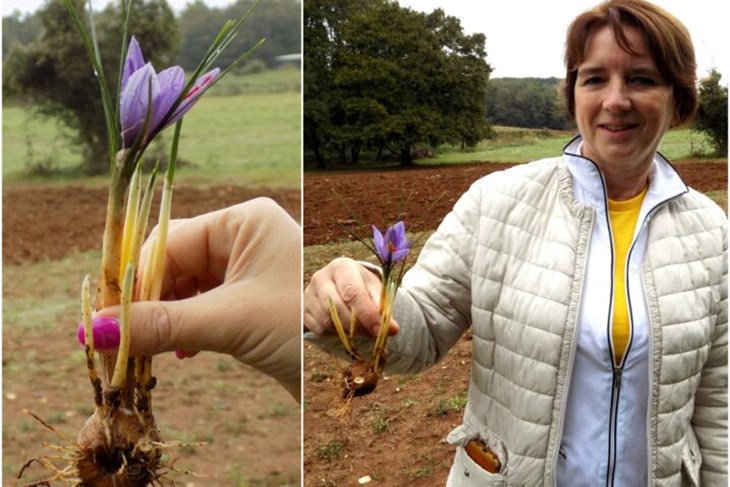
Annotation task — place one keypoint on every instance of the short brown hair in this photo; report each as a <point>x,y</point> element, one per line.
<point>668,41</point>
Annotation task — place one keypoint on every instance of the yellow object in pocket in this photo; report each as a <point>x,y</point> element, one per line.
<point>483,456</point>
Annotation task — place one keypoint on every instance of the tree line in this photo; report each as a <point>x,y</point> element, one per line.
<point>278,21</point>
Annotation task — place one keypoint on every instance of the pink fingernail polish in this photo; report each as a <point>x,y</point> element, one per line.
<point>180,354</point>
<point>106,333</point>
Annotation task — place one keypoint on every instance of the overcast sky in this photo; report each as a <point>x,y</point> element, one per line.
<point>25,6</point>
<point>526,37</point>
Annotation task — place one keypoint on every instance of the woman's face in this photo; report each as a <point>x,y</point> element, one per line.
<point>623,107</point>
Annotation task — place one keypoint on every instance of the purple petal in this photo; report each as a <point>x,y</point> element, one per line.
<point>134,102</point>
<point>397,235</point>
<point>380,246</point>
<point>398,243</point>
<point>133,62</point>
<point>201,84</point>
<point>399,255</point>
<point>172,82</point>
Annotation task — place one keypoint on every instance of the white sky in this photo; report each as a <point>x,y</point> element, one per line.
<point>26,6</point>
<point>526,38</point>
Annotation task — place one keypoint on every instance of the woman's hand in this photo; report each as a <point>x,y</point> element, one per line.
<point>352,287</point>
<point>232,285</point>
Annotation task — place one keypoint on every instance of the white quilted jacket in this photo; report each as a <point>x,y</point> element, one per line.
<point>509,261</point>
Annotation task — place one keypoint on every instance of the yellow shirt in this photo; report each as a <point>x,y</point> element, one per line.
<point>623,215</point>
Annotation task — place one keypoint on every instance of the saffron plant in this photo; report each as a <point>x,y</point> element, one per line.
<point>391,250</point>
<point>119,445</point>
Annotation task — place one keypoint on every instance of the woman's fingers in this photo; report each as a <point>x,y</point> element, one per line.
<point>352,288</point>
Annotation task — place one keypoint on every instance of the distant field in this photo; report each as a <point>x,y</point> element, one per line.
<point>524,145</point>
<point>245,131</point>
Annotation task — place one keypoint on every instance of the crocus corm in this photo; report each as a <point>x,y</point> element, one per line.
<point>141,84</point>
<point>393,246</point>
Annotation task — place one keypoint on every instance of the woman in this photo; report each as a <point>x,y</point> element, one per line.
<point>594,283</point>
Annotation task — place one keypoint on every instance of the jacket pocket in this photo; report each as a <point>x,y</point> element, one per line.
<point>691,460</point>
<point>465,472</point>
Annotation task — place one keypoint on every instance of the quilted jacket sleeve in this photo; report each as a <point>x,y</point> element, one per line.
<point>710,415</point>
<point>433,303</point>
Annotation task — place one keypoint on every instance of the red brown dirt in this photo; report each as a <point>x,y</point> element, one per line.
<point>396,435</point>
<point>49,222</point>
<point>251,425</point>
<point>422,196</point>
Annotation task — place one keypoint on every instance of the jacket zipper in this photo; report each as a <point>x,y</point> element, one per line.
<point>618,368</point>
<point>613,420</point>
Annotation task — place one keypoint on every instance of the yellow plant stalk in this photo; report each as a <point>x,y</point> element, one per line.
<point>130,234</point>
<point>120,369</point>
<point>89,340</point>
<point>386,305</point>
<point>341,330</point>
<point>152,279</point>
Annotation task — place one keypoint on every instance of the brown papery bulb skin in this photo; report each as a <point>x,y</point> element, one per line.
<point>114,450</point>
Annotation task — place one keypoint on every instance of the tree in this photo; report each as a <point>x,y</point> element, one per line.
<point>380,77</point>
<point>277,21</point>
<point>323,41</point>
<point>526,102</point>
<point>55,75</point>
<point>712,113</point>
<point>200,25</point>
<point>19,29</point>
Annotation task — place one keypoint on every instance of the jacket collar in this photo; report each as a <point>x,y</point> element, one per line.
<point>589,185</point>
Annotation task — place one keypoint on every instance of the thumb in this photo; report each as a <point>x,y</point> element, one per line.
<point>258,331</point>
<point>151,328</point>
<point>161,326</point>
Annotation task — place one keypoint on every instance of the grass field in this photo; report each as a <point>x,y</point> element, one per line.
<point>245,131</point>
<point>524,145</point>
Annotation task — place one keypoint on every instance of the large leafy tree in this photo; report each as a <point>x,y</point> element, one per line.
<point>54,73</point>
<point>712,113</point>
<point>380,77</point>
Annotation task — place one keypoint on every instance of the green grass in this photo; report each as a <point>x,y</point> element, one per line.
<point>332,450</point>
<point>286,78</point>
<point>39,296</point>
<point>525,145</point>
<point>247,133</point>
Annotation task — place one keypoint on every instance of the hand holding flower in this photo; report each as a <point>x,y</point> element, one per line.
<point>229,287</point>
<point>343,284</point>
<point>352,287</point>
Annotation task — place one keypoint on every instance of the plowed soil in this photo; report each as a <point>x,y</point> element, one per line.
<point>395,435</point>
<point>49,222</point>
<point>422,195</point>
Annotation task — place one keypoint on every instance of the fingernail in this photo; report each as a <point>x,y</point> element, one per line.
<point>180,354</point>
<point>106,332</point>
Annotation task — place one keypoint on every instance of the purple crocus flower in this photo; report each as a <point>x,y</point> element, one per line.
<point>142,85</point>
<point>393,246</point>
